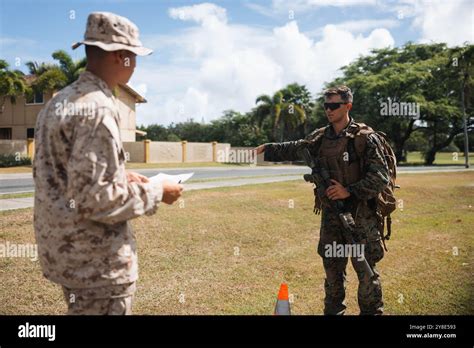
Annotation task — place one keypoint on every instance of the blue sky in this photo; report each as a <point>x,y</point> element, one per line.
<point>219,55</point>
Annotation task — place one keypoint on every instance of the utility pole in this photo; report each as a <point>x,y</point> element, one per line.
<point>466,138</point>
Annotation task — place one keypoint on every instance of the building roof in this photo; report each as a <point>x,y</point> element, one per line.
<point>30,79</point>
<point>131,91</point>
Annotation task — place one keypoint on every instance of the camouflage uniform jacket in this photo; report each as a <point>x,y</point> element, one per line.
<point>82,198</point>
<point>375,174</point>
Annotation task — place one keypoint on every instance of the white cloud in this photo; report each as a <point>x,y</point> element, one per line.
<point>307,4</point>
<point>367,24</point>
<point>206,13</point>
<point>358,26</point>
<point>450,21</point>
<point>446,21</point>
<point>300,6</point>
<point>217,65</point>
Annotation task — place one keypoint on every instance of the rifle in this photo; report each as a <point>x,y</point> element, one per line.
<point>321,178</point>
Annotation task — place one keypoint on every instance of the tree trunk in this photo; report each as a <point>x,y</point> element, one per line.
<point>399,153</point>
<point>400,141</point>
<point>430,156</point>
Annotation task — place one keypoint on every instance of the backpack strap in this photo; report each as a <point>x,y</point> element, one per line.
<point>316,135</point>
<point>360,137</point>
<point>360,143</point>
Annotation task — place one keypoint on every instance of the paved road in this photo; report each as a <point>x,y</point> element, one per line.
<point>27,202</point>
<point>16,183</point>
<point>218,176</point>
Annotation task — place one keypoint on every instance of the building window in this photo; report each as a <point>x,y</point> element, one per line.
<point>5,133</point>
<point>30,133</point>
<point>35,98</point>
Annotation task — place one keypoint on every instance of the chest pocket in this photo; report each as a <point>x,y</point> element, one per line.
<point>340,160</point>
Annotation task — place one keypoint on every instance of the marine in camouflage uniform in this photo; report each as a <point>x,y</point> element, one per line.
<point>363,182</point>
<point>83,200</point>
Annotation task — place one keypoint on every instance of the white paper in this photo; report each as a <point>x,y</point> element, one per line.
<point>177,179</point>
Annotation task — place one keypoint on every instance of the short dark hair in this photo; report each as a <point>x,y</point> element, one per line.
<point>344,91</point>
<point>94,51</point>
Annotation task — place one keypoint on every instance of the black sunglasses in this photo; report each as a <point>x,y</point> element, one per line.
<point>332,106</point>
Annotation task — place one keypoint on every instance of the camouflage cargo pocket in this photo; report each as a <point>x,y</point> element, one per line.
<point>374,248</point>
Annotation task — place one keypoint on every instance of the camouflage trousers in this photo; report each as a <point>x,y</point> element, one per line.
<point>369,294</point>
<point>110,300</point>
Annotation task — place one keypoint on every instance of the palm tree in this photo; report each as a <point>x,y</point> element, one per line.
<point>50,77</point>
<point>12,84</point>
<point>70,68</point>
<point>292,116</point>
<point>283,109</point>
<point>37,69</point>
<point>269,107</point>
<point>301,98</point>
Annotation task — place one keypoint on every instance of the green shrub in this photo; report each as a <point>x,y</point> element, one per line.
<point>14,161</point>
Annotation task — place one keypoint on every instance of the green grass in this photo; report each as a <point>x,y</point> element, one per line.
<point>135,165</point>
<point>17,169</point>
<point>16,195</point>
<point>190,250</point>
<point>442,158</point>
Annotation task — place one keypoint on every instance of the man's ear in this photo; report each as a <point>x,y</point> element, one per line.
<point>118,57</point>
<point>125,58</point>
<point>349,106</point>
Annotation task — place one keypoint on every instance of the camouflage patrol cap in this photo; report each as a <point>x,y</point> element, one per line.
<point>112,32</point>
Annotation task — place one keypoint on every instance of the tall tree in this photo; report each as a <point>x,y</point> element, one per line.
<point>286,110</point>
<point>50,77</point>
<point>70,68</point>
<point>414,73</point>
<point>12,84</point>
<point>269,107</point>
<point>299,104</point>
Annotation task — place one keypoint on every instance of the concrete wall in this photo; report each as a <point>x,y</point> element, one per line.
<point>134,151</point>
<point>172,152</point>
<point>158,151</point>
<point>199,152</point>
<point>12,147</point>
<point>221,151</point>
<point>237,154</point>
<point>166,152</point>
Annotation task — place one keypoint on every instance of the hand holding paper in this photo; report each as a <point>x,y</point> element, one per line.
<point>177,179</point>
<point>172,187</point>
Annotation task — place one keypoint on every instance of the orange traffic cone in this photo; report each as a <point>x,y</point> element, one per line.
<point>283,303</point>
